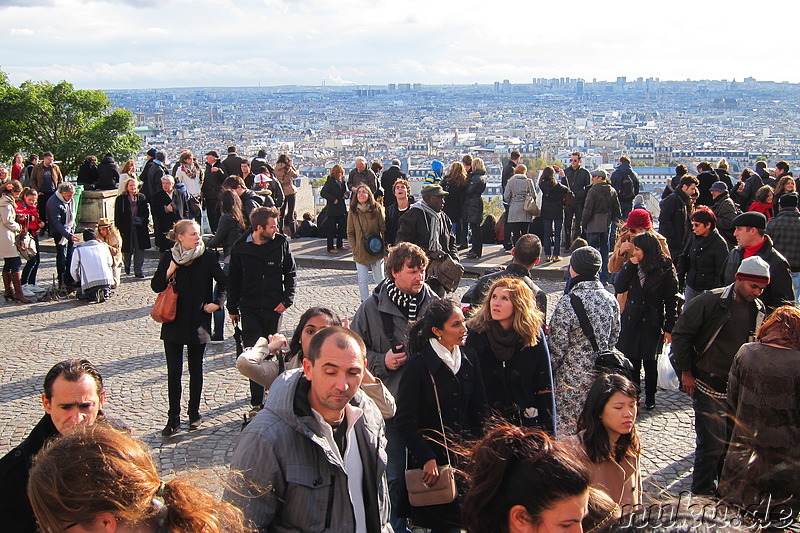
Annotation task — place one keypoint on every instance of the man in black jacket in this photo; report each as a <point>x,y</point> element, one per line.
<point>673,220</point>
<point>389,176</point>
<point>262,284</point>
<point>508,171</point>
<point>705,339</point>
<point>232,163</point>
<point>526,254</point>
<point>750,234</point>
<point>578,180</point>
<point>73,396</point>
<point>212,187</point>
<point>626,182</point>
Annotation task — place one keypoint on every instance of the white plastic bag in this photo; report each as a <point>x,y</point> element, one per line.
<point>667,379</point>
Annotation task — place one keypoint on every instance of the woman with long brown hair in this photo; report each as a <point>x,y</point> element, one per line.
<point>9,228</point>
<point>455,182</point>
<point>366,217</point>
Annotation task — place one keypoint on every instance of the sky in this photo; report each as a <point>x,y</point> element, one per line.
<point>121,44</point>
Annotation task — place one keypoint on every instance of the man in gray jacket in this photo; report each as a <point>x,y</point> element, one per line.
<point>600,210</point>
<point>383,322</point>
<point>313,459</point>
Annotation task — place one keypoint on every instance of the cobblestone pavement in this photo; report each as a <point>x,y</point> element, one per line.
<point>122,340</point>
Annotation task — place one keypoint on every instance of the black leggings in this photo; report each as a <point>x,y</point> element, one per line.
<point>174,354</point>
<point>650,375</point>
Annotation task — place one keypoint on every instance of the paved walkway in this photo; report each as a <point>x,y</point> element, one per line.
<point>123,341</point>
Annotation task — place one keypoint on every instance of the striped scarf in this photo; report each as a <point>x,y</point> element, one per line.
<point>407,303</point>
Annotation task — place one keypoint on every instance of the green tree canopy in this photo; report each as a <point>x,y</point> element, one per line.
<point>42,116</point>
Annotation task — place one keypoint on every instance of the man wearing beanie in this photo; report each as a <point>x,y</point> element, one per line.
<point>725,210</point>
<point>784,230</point>
<point>571,352</point>
<point>750,235</point>
<point>705,339</point>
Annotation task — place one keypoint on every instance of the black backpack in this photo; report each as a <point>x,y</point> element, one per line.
<point>626,190</point>
<point>606,361</point>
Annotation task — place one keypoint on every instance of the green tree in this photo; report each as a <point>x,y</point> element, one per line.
<point>72,124</point>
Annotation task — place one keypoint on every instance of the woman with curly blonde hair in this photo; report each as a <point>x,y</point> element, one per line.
<point>101,479</point>
<point>506,334</point>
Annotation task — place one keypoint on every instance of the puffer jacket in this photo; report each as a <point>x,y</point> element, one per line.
<point>601,208</point>
<point>701,263</point>
<point>293,480</point>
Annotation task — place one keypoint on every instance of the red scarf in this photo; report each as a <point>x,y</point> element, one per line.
<point>750,251</point>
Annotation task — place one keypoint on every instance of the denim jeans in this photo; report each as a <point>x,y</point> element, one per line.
<point>32,266</point>
<point>796,285</point>
<point>63,260</point>
<point>599,240</point>
<point>395,474</point>
<point>552,236</point>
<point>363,276</point>
<point>712,425</point>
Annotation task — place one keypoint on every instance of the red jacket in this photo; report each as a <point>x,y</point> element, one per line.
<point>761,207</point>
<point>31,216</point>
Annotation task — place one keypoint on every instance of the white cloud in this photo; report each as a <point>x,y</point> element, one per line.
<point>21,31</point>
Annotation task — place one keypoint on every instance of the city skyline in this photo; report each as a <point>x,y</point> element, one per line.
<point>120,44</point>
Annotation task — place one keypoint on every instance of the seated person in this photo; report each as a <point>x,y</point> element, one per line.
<point>307,228</point>
<point>92,267</point>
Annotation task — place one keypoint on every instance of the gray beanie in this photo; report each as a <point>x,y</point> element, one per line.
<point>586,261</point>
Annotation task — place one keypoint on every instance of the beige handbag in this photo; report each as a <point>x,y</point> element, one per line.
<point>444,489</point>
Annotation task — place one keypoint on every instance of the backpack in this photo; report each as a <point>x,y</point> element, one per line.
<point>626,191</point>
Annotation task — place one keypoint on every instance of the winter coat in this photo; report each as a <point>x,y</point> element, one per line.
<point>464,412</point>
<point>285,174</point>
<point>578,182</point>
<point>508,172</point>
<point>624,169</point>
<point>294,480</point>
<point>763,456</point>
<point>520,389</point>
<point>9,228</point>
<point>699,324</point>
<point>87,174</point>
<point>31,215</point>
<point>393,215</point>
<point>233,164</point>
<point>415,228</point>
<point>166,219</point>
<point>368,323</point>
<point>601,208</point>
<point>706,180</point>
<point>262,275</point>
<point>473,207</point>
<point>724,177</point>
<point>107,174</point>
<point>92,265</point>
<point>701,263</point>
<point>621,482</point>
<point>673,220</point>
<point>454,204</point>
<point>365,177</point>
<point>228,232</point>
<point>335,192</point>
<point>571,352</point>
<point>517,189</point>
<point>650,310</point>
<point>618,258</point>
<point>360,224</point>
<point>252,201</point>
<point>152,179</point>
<point>194,186</point>
<point>476,294</point>
<point>212,181</point>
<point>553,200</point>
<point>194,284</point>
<point>57,217</point>
<point>748,194</point>
<point>123,220</point>
<point>780,290</point>
<point>389,176</point>
<point>784,230</point>
<point>37,176</point>
<point>763,208</point>
<point>726,210</point>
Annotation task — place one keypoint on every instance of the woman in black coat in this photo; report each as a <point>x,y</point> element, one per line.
<point>335,193</point>
<point>473,205</point>
<point>552,215</point>
<point>702,262</point>
<point>650,311</point>
<point>455,183</point>
<point>131,216</point>
<point>195,270</point>
<point>514,361</point>
<point>435,342</point>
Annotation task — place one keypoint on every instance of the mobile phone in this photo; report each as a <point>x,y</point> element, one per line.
<point>398,349</point>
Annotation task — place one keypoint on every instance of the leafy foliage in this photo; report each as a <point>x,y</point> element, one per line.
<point>42,116</point>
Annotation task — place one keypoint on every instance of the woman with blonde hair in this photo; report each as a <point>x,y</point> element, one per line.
<point>508,337</point>
<point>193,269</point>
<point>285,173</point>
<point>335,193</point>
<point>100,479</point>
<point>110,235</point>
<point>366,218</point>
<point>131,216</point>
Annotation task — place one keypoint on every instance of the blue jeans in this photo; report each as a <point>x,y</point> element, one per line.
<point>363,276</point>
<point>552,237</point>
<point>712,429</point>
<point>32,266</point>
<point>395,474</point>
<point>796,285</point>
<point>63,260</point>
<point>599,240</point>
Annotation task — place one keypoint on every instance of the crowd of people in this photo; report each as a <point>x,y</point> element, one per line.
<point>420,411</point>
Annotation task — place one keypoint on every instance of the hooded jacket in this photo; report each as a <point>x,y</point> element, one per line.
<point>293,480</point>
<point>601,208</point>
<point>107,173</point>
<point>725,211</point>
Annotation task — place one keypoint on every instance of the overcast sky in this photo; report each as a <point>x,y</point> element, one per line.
<point>111,44</point>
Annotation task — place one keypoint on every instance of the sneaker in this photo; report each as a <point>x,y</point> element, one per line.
<point>26,291</point>
<point>36,288</point>
<point>254,411</point>
<point>557,258</point>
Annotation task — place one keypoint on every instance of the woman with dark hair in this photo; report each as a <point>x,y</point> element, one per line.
<point>27,208</point>
<point>439,373</point>
<point>523,481</point>
<point>261,362</point>
<point>131,215</point>
<point>194,270</point>
<point>100,479</point>
<point>366,217</point>
<point>230,227</point>
<point>785,185</point>
<point>335,193</point>
<point>674,182</point>
<point>703,259</point>
<point>507,336</point>
<point>9,228</point>
<point>553,194</point>
<point>455,183</point>
<point>607,438</point>
<point>763,456</point>
<point>16,167</point>
<point>285,173</point>
<point>650,310</point>
<point>763,202</point>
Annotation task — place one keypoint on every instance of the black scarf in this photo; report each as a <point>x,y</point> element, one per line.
<point>503,343</point>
